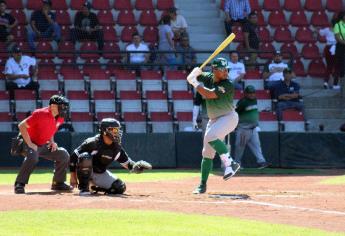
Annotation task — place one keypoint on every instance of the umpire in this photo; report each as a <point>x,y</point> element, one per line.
<point>38,133</point>
<point>246,132</point>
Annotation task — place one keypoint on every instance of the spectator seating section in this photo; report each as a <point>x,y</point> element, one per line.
<point>293,121</point>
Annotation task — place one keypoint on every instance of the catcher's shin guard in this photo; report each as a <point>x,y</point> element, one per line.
<point>84,171</point>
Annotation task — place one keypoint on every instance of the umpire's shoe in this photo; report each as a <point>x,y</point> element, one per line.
<point>61,187</point>
<point>231,170</point>
<point>19,188</point>
<point>200,189</point>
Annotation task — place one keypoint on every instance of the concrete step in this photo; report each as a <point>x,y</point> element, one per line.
<point>200,29</point>
<point>205,22</point>
<point>307,92</point>
<point>206,38</point>
<point>195,6</point>
<point>319,102</point>
<point>329,125</point>
<point>324,113</point>
<point>208,13</point>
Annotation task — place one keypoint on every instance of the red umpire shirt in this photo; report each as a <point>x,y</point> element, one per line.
<point>42,125</point>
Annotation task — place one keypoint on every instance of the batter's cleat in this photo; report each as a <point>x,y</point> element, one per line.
<point>231,170</point>
<point>84,193</point>
<point>61,187</point>
<point>200,189</point>
<point>262,165</point>
<point>19,188</point>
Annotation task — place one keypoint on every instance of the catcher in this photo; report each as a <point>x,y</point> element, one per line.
<point>89,161</point>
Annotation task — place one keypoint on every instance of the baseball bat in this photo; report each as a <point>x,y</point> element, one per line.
<point>220,48</point>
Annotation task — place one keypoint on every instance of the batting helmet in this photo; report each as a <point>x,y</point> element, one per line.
<point>111,128</point>
<point>220,63</point>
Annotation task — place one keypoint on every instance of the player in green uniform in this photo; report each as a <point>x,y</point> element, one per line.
<point>218,92</point>
<point>246,132</point>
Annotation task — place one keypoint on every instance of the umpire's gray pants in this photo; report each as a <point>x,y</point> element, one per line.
<point>60,158</point>
<point>250,137</point>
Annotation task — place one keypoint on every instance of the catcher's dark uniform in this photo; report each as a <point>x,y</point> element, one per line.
<point>92,158</point>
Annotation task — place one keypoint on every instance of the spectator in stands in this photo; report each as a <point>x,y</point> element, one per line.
<point>7,23</point>
<point>251,38</point>
<point>339,31</point>
<point>86,26</point>
<point>137,58</point>
<point>43,25</point>
<point>178,24</point>
<point>287,93</point>
<point>273,72</point>
<point>185,54</point>
<point>235,11</point>
<point>237,71</point>
<point>166,42</point>
<point>329,54</point>
<point>20,72</point>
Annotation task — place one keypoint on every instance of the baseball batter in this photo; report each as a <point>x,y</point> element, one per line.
<point>246,132</point>
<point>218,92</point>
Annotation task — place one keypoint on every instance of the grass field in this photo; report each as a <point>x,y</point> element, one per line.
<point>141,223</point>
<point>339,180</point>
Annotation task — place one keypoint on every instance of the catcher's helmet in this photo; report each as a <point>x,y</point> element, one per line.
<point>220,63</point>
<point>63,104</point>
<point>111,128</point>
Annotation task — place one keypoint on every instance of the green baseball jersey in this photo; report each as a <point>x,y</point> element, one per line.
<point>247,110</point>
<point>225,92</point>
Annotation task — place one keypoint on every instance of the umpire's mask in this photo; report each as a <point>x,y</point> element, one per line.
<point>63,105</point>
<point>111,128</point>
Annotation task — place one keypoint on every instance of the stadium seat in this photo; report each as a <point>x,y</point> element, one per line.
<point>66,50</point>
<point>264,34</point>
<point>59,5</point>
<point>48,78</point>
<point>4,101</point>
<point>184,120</point>
<point>282,34</point>
<point>182,101</point>
<point>298,18</point>
<point>62,17</point>
<point>130,101</point>
<point>161,122</point>
<point>34,5</point>
<point>320,19</point>
<point>126,33</point>
<point>104,101</point>
<point>99,78</point>
<point>105,17</point>
<point>293,121</point>
<point>268,121</point>
<point>148,18</point>
<point>157,101</point>
<point>110,34</point>
<point>310,51</point>
<point>237,30</point>
<point>317,68</point>
<point>135,122</point>
<point>65,33</point>
<point>292,5</point>
<point>112,51</point>
<point>5,122</point>
<point>334,5</point>
<point>142,5</point>
<point>78,101</point>
<point>76,4</point>
<point>73,79</point>
<point>19,34</point>
<point>254,5</point>
<point>313,5</point>
<point>150,34</point>
<point>88,46</point>
<point>253,77</point>
<point>298,68</point>
<point>82,122</point>
<point>264,100</point>
<point>271,5</point>
<point>123,5</point>
<point>288,50</point>
<point>25,100</point>
<point>304,35</point>
<point>176,80</point>
<point>46,95</point>
<point>151,80</point>
<point>101,5</point>
<point>44,50</point>
<point>261,19</point>
<point>165,4</point>
<point>238,95</point>
<point>15,4</point>
<point>268,47</point>
<point>126,18</point>
<point>125,80</point>
<point>277,19</point>
<point>102,115</point>
<point>19,15</point>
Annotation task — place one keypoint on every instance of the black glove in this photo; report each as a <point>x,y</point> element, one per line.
<point>139,166</point>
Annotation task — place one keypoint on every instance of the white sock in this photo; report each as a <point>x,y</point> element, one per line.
<point>226,159</point>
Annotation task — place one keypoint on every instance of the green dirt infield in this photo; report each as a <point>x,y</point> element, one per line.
<point>41,176</point>
<point>141,223</point>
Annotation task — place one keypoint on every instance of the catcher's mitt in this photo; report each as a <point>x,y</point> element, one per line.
<point>140,166</point>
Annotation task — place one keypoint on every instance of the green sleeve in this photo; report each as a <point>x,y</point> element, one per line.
<point>336,28</point>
